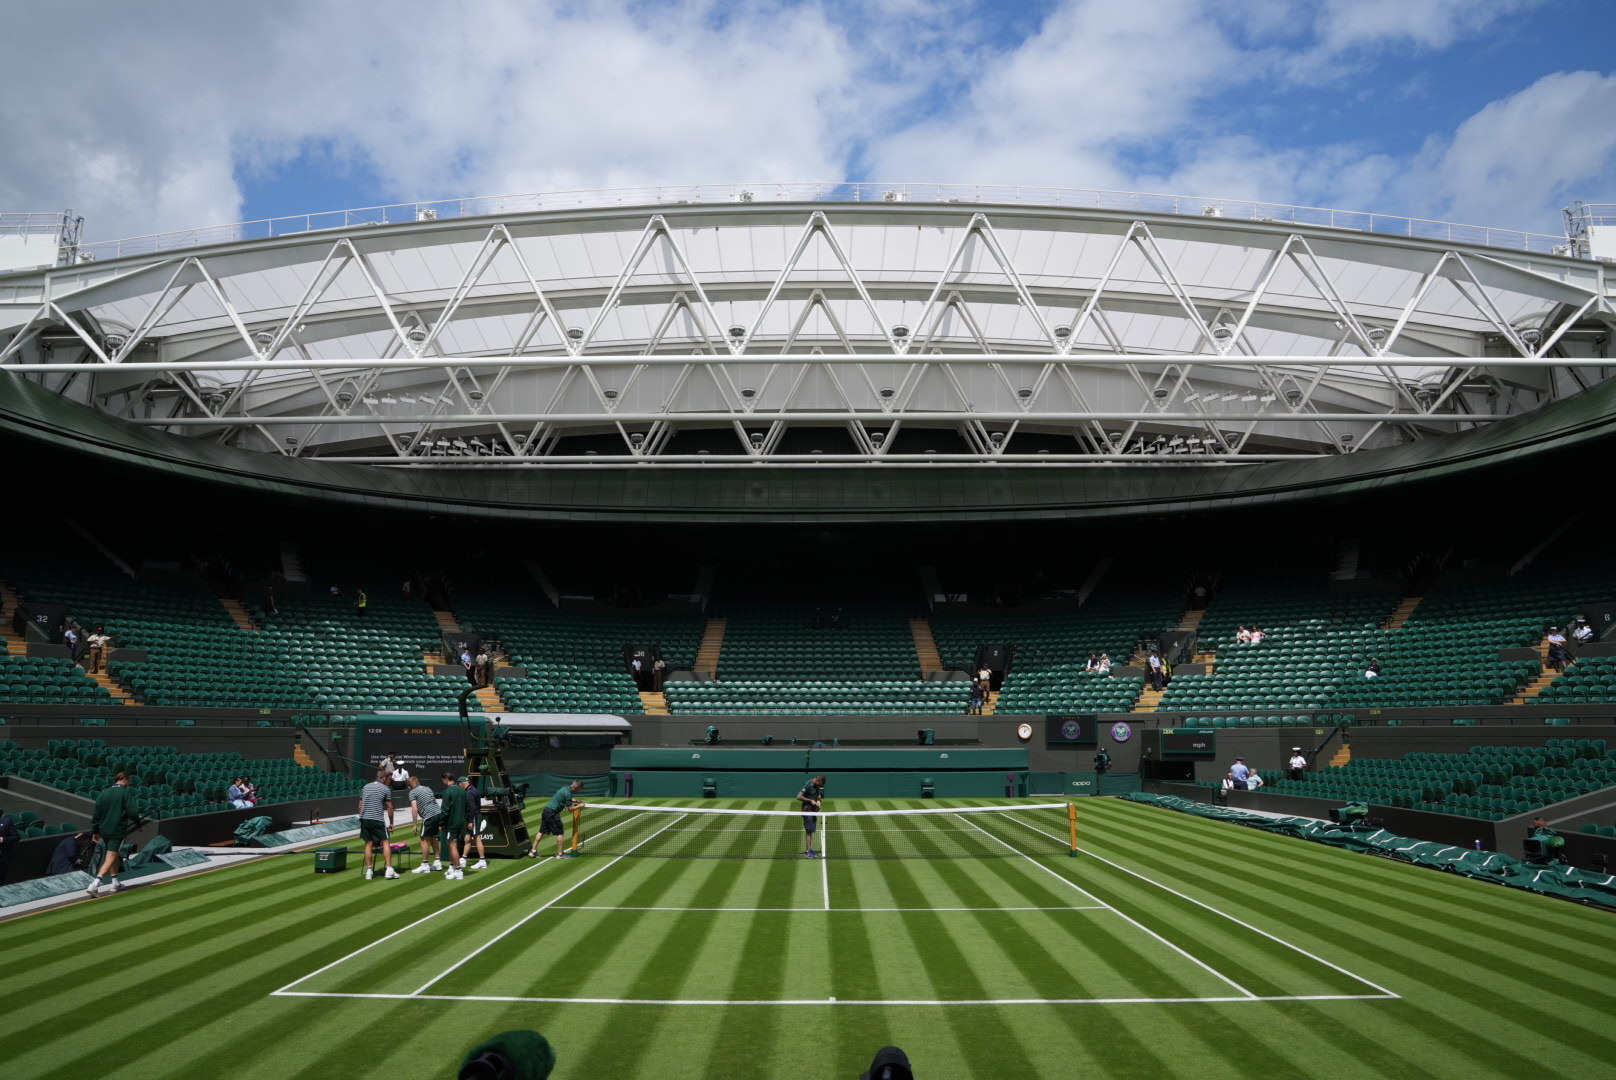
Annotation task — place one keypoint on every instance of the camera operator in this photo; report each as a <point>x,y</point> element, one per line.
<point>1102,763</point>
<point>114,815</point>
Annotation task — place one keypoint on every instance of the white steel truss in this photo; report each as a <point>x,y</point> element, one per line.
<point>908,334</point>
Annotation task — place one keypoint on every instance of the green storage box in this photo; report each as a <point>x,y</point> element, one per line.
<point>328,860</point>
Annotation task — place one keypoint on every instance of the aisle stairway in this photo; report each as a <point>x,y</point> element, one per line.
<point>1539,682</point>
<point>712,645</point>
<point>925,646</point>
<point>1343,755</point>
<point>991,706</point>
<point>238,612</point>
<point>112,687</point>
<point>1148,700</point>
<point>489,701</point>
<point>301,756</point>
<point>14,645</point>
<point>655,703</point>
<point>1405,607</point>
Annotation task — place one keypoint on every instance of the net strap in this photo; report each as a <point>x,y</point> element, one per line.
<point>705,810</point>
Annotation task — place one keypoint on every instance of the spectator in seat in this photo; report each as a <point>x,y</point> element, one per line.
<point>1257,636</point>
<point>1298,764</point>
<point>1373,670</point>
<point>1242,636</point>
<point>1105,664</point>
<point>73,853</point>
<point>236,795</point>
<point>1583,633</point>
<point>1093,662</point>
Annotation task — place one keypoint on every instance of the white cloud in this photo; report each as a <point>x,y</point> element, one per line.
<point>168,105</point>
<point>1518,160</point>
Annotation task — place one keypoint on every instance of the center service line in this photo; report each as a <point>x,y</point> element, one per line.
<point>1194,960</point>
<point>541,908</point>
<point>824,870</point>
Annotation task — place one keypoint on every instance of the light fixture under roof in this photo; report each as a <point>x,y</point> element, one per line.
<point>576,333</point>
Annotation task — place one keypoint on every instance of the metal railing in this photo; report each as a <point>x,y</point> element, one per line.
<point>832,192</point>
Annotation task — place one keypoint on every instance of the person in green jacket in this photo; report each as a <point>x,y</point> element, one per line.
<point>111,820</point>
<point>452,809</point>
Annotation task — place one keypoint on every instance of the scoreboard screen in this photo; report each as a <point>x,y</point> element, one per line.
<point>1188,742</point>
<point>1071,730</point>
<point>428,745</point>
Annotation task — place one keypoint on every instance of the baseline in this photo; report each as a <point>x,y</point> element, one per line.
<point>1203,965</point>
<point>841,1001</point>
<point>285,990</point>
<point>814,910</point>
<point>1381,990</point>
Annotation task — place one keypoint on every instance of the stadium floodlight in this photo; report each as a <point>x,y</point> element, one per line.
<point>1250,395</point>
<point>878,439</point>
<point>1063,332</point>
<point>1231,395</point>
<point>737,332</point>
<point>425,213</point>
<point>997,439</point>
<point>576,333</point>
<point>900,331</point>
<point>610,393</point>
<point>263,339</point>
<point>636,439</point>
<point>756,439</point>
<point>416,334</point>
<point>712,735</point>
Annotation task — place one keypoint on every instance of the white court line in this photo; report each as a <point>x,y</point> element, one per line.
<point>845,1001</point>
<point>617,907</point>
<point>1127,918</point>
<point>1215,911</point>
<point>824,863</point>
<point>542,907</point>
<point>425,918</point>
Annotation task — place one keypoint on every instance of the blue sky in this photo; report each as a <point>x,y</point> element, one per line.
<point>183,113</point>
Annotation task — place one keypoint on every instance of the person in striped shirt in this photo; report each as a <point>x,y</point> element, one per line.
<point>375,822</point>
<point>428,822</point>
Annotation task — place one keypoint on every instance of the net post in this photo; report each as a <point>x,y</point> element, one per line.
<point>1071,823</point>
<point>576,814</point>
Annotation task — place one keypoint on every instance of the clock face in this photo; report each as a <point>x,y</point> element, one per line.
<point>1024,731</point>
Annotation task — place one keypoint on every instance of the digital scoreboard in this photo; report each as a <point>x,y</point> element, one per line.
<point>1188,742</point>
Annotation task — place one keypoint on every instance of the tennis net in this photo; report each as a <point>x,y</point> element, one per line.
<point>680,832</point>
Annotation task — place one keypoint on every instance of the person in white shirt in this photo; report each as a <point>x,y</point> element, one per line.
<point>1104,667</point>
<point>1298,764</point>
<point>1242,636</point>
<point>1373,671</point>
<point>1583,633</point>
<point>99,640</point>
<point>1155,662</point>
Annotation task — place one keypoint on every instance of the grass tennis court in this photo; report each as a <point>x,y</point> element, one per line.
<point>1173,947</point>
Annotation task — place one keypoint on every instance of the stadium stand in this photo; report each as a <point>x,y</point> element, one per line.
<point>166,781</point>
<point>574,659</point>
<point>1485,782</point>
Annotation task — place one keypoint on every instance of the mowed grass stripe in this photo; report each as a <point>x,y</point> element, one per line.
<point>525,963</point>
<point>1256,963</point>
<point>1444,973</point>
<point>1453,926</point>
<point>460,914</point>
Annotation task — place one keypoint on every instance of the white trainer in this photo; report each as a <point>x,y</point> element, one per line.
<point>117,886</point>
<point>454,875</point>
<point>391,874</point>
<point>480,864</point>
<point>94,890</point>
<point>422,869</point>
<point>369,873</point>
<point>436,865</point>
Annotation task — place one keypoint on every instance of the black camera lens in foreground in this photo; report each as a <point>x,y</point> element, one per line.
<point>890,1063</point>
